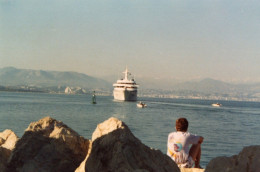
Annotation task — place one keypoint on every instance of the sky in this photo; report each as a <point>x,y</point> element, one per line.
<point>162,39</point>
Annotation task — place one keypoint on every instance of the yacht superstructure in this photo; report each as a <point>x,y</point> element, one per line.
<point>125,89</point>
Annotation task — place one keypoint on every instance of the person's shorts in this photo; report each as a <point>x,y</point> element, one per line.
<point>188,164</point>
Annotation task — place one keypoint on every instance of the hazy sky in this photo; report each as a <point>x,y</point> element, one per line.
<point>181,39</point>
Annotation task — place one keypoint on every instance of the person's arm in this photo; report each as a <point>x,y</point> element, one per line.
<point>194,139</point>
<point>200,140</point>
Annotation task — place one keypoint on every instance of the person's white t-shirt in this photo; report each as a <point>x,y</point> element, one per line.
<point>179,145</point>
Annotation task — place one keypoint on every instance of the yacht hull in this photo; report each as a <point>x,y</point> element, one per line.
<point>125,95</point>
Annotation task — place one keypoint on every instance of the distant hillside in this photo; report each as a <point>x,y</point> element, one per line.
<point>10,76</point>
<point>207,86</point>
<point>214,86</point>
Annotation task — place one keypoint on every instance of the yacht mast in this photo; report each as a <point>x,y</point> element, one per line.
<point>126,73</point>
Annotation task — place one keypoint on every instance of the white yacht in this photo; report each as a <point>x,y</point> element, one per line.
<point>125,89</point>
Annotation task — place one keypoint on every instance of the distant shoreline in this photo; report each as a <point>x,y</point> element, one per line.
<point>165,96</point>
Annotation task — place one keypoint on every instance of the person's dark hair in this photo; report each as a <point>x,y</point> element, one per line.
<point>182,124</point>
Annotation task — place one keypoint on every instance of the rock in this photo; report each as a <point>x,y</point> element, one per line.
<point>247,160</point>
<point>48,145</point>
<point>115,148</point>
<point>192,170</point>
<point>8,140</point>
<point>107,127</point>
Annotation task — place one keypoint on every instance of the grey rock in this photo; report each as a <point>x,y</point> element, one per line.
<point>116,149</point>
<point>48,145</point>
<point>248,160</point>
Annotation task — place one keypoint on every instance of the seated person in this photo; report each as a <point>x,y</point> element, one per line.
<point>179,146</point>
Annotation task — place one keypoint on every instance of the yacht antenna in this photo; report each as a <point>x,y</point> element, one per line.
<point>126,74</point>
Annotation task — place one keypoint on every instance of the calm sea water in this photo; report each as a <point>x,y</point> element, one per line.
<point>226,130</point>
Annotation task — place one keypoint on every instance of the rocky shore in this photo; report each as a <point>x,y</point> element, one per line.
<point>49,145</point>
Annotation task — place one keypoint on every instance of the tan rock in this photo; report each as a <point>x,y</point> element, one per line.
<point>106,127</point>
<point>247,160</point>
<point>115,148</point>
<point>48,145</point>
<point>8,140</point>
<point>192,170</point>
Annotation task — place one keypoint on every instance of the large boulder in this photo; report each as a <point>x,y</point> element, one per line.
<point>48,145</point>
<point>115,148</point>
<point>8,140</point>
<point>247,160</point>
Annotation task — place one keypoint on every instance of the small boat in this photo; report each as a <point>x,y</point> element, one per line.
<point>141,105</point>
<point>216,104</point>
<point>94,98</point>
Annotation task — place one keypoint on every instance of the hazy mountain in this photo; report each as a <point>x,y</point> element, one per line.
<point>214,86</point>
<point>206,85</point>
<point>10,76</point>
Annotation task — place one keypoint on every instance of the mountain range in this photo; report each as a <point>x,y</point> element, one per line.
<point>10,76</point>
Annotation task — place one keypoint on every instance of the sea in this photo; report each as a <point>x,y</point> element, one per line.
<point>226,129</point>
